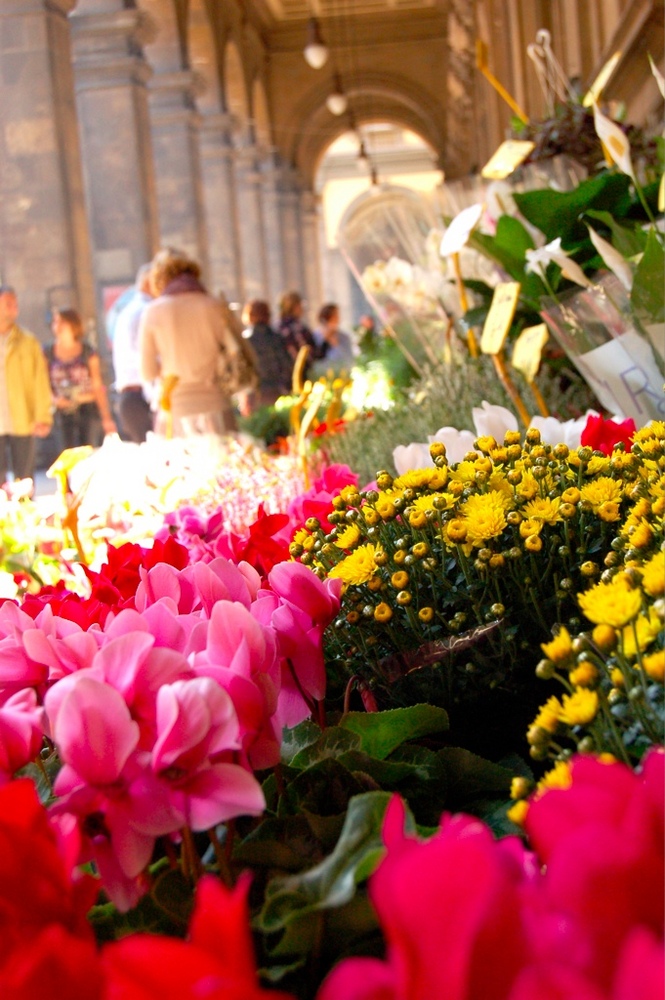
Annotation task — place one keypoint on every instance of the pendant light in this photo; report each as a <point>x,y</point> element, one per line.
<point>337,101</point>
<point>316,51</point>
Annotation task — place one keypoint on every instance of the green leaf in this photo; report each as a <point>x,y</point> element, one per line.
<point>296,739</point>
<point>472,777</point>
<point>324,788</point>
<point>628,240</point>
<point>174,895</point>
<point>332,742</point>
<point>332,882</point>
<point>382,732</point>
<point>285,843</point>
<point>557,213</point>
<point>647,294</point>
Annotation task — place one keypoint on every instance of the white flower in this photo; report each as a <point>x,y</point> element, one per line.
<point>493,421</point>
<point>457,442</point>
<point>614,260</point>
<point>457,234</point>
<point>374,278</point>
<point>538,260</point>
<point>411,456</point>
<point>614,140</point>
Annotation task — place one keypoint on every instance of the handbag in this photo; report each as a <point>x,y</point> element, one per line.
<point>237,370</point>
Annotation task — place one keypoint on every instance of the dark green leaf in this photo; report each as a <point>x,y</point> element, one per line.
<point>331,883</point>
<point>647,294</point>
<point>174,895</point>
<point>557,213</point>
<point>382,732</point>
<point>279,843</point>
<point>324,788</point>
<point>471,777</point>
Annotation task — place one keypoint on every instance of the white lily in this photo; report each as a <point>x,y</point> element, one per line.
<point>614,260</point>
<point>614,140</point>
<point>457,234</point>
<point>538,260</point>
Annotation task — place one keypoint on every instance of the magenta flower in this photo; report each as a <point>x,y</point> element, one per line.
<point>197,727</point>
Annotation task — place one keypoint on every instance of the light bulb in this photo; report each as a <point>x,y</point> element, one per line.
<point>336,102</point>
<point>316,50</point>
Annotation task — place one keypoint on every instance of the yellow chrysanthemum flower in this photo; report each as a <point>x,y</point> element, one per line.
<point>653,447</point>
<point>549,715</point>
<point>517,812</point>
<point>584,675</point>
<point>654,666</point>
<point>464,472</point>
<point>444,501</point>
<point>641,536</point>
<point>559,777</point>
<point>609,511</point>
<point>498,482</point>
<point>528,488</point>
<point>348,537</point>
<point>543,509</point>
<point>358,567</point>
<point>597,465</point>
<point>414,479</point>
<point>640,634</point>
<point>350,494</point>
<point>653,575</point>
<point>614,603</point>
<point>385,508</point>
<point>560,649</point>
<point>602,490</point>
<point>484,517</point>
<point>528,528</point>
<point>300,536</point>
<point>656,429</point>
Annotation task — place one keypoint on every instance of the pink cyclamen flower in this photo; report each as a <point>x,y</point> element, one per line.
<point>197,727</point>
<point>20,732</point>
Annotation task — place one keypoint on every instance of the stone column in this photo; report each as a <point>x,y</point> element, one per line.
<point>44,242</point>
<point>250,214</point>
<point>274,226</point>
<point>289,205</point>
<point>221,210</point>
<point>111,84</point>
<point>175,143</point>
<point>310,243</point>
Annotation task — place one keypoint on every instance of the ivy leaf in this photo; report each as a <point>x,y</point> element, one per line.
<point>381,732</point>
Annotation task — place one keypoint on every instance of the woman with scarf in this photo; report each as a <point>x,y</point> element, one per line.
<point>181,335</point>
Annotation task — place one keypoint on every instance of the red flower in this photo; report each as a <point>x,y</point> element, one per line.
<point>46,945</point>
<point>261,550</point>
<point>217,962</point>
<point>603,435</point>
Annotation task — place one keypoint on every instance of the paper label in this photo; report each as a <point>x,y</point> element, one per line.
<point>624,375</point>
<point>528,350</point>
<point>507,158</point>
<point>500,316</point>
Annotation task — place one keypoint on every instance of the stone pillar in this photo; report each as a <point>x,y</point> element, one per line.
<point>270,174</point>
<point>221,210</point>
<point>111,84</point>
<point>44,243</point>
<point>289,204</point>
<point>175,143</point>
<point>250,213</point>
<point>310,243</point>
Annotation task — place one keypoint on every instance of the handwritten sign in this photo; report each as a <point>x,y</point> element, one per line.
<point>507,158</point>
<point>528,350</point>
<point>500,316</point>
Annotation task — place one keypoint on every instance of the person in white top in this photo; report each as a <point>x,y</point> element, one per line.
<point>181,335</point>
<point>134,413</point>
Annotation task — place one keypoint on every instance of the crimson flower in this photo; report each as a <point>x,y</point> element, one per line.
<point>603,435</point>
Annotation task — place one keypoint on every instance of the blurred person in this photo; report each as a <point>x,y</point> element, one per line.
<point>133,406</point>
<point>294,330</point>
<point>182,333</point>
<point>335,346</point>
<point>82,410</point>
<point>273,360</point>
<point>25,392</point>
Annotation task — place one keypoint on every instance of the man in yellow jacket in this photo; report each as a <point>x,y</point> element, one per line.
<point>25,392</point>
